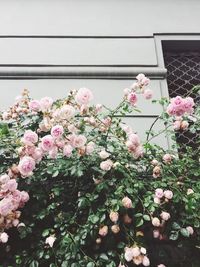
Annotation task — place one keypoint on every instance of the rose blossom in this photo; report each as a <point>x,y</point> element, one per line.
<point>103,230</point>
<point>34,105</point>
<point>26,166</point>
<point>24,196</point>
<point>106,165</point>
<point>143,250</point>
<point>46,103</point>
<point>190,230</point>
<point>128,254</point>
<point>115,228</point>
<point>148,94</point>
<point>78,141</point>
<point>11,186</point>
<point>156,200</point>
<point>4,178</point>
<point>168,194</point>
<point>6,206</point>
<point>161,265</point>
<point>132,98</point>
<point>184,125</point>
<point>167,158</point>
<point>66,112</point>
<point>53,153</point>
<point>159,193</point>
<point>29,137</point>
<point>47,142</point>
<point>127,203</point>
<point>146,261</point>
<point>50,240</point>
<point>114,216</point>
<point>90,148</point>
<point>57,131</point>
<point>190,191</point>
<point>156,222</point>
<point>83,96</point>
<point>138,260</point>
<point>136,251</point>
<point>3,237</point>
<point>165,215</point>
<point>103,154</point>
<point>177,125</point>
<point>67,150</point>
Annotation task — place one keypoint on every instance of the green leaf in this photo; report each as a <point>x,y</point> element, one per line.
<point>90,264</point>
<point>146,217</point>
<point>139,222</point>
<point>176,226</point>
<point>174,235</point>
<point>34,264</point>
<point>94,219</point>
<point>184,232</point>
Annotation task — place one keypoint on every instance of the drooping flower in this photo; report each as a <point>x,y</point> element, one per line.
<point>127,203</point>
<point>4,237</point>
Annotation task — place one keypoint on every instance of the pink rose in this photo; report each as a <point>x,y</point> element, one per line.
<point>114,216</point>
<point>146,261</point>
<point>128,255</point>
<point>47,143</point>
<point>67,150</point>
<point>190,230</point>
<point>72,129</point>
<point>46,103</point>
<point>184,125</point>
<point>156,222</point>
<point>106,165</point>
<point>57,131</point>
<point>167,158</point>
<point>79,141</point>
<point>6,206</point>
<point>159,193</point>
<point>148,94</point>
<point>98,108</point>
<point>190,191</point>
<point>53,153</point>
<point>50,240</point>
<point>103,230</point>
<point>103,154</point>
<point>37,154</point>
<point>127,203</point>
<point>11,186</point>
<point>115,229</point>
<point>140,77</point>
<point>177,125</point>
<point>4,178</point>
<point>29,137</point>
<point>168,194</point>
<point>90,148</point>
<point>136,251</point>
<point>24,196</point>
<point>66,112</point>
<point>3,237</point>
<point>156,200</point>
<point>134,139</point>
<point>26,166</point>
<point>132,98</point>
<point>165,215</point>
<point>34,105</point>
<point>83,96</point>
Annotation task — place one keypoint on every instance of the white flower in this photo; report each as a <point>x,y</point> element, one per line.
<point>50,240</point>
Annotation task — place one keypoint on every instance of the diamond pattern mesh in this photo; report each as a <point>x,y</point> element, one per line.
<point>183,74</point>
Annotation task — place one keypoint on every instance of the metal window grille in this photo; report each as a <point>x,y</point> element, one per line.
<point>183,73</point>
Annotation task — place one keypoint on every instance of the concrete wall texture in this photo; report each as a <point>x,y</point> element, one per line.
<point>49,46</point>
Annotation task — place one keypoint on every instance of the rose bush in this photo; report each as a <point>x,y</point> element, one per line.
<point>78,188</point>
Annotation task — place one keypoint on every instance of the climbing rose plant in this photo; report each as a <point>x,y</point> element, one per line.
<point>79,188</point>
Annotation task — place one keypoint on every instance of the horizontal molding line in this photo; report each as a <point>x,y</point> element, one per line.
<point>30,72</point>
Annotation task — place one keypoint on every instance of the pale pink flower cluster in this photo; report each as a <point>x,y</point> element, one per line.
<point>106,165</point>
<point>167,158</point>
<point>138,87</point>
<point>127,203</point>
<point>162,195</point>
<point>11,200</point>
<point>44,104</point>
<point>137,255</point>
<point>180,124</point>
<point>134,146</point>
<point>179,106</point>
